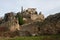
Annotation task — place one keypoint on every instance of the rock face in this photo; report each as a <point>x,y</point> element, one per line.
<point>37,17</point>
<point>32,28</point>
<point>15,27</point>
<point>10,22</point>
<point>30,17</point>
<point>51,25</point>
<point>35,24</point>
<point>31,14</point>
<point>1,20</point>
<point>9,16</point>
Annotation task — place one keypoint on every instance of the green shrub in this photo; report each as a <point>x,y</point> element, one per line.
<point>20,19</point>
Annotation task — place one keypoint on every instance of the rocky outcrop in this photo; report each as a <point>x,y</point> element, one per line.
<point>51,25</point>
<point>9,16</point>
<point>30,15</point>
<point>10,22</point>
<point>34,23</point>
<point>32,28</point>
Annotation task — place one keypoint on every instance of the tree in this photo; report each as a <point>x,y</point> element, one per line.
<point>20,19</point>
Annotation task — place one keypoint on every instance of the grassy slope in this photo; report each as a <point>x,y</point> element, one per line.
<point>51,37</point>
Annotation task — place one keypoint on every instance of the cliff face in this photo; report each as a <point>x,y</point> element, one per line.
<point>51,25</point>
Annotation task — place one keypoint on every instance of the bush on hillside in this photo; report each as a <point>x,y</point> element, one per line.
<point>20,19</point>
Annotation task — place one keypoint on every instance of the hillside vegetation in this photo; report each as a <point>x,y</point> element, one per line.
<point>51,37</point>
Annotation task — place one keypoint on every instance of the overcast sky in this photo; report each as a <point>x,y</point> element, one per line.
<point>47,7</point>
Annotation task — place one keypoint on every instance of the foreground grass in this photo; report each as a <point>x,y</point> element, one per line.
<point>48,37</point>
